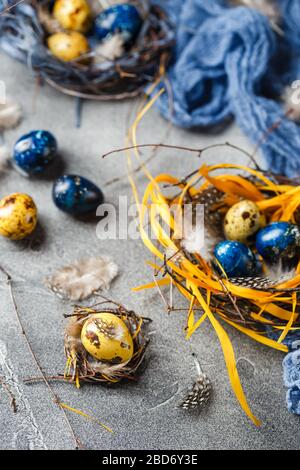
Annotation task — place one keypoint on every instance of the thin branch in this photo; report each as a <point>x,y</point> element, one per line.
<point>185,149</point>
<point>55,397</point>
<point>232,299</point>
<point>10,7</point>
<point>270,131</point>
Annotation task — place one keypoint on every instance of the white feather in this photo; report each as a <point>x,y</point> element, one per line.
<point>10,114</point>
<point>107,369</point>
<point>4,157</point>
<point>197,238</point>
<point>81,279</point>
<point>291,100</point>
<point>110,49</point>
<point>278,272</point>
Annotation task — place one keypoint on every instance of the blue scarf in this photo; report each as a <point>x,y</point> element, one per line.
<point>230,63</point>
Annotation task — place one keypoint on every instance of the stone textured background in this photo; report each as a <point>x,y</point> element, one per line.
<point>142,415</point>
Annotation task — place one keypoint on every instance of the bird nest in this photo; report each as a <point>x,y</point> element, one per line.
<point>263,308</point>
<point>24,32</point>
<point>81,367</point>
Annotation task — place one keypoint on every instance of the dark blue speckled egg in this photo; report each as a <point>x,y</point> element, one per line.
<point>34,152</point>
<point>278,240</point>
<point>123,18</point>
<point>76,195</point>
<point>236,259</point>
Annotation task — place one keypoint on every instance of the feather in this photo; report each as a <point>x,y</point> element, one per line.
<point>201,222</point>
<point>291,101</point>
<point>258,283</point>
<point>10,114</point>
<point>111,49</point>
<point>275,275</point>
<point>200,393</point>
<point>83,278</point>
<point>4,157</point>
<point>280,272</point>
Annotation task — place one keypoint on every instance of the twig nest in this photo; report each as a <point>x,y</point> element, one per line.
<point>68,46</point>
<point>106,337</point>
<point>76,195</point>
<point>123,19</point>
<point>242,221</point>
<point>34,152</point>
<point>120,69</point>
<point>279,239</point>
<point>18,216</point>
<point>236,259</point>
<point>74,15</point>
<point>105,345</point>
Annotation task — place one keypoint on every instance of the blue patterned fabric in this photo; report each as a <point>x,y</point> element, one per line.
<point>293,400</point>
<point>291,372</point>
<point>6,3</point>
<point>292,340</point>
<point>291,367</point>
<point>229,63</point>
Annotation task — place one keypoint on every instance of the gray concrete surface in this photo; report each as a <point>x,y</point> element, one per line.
<point>142,415</point>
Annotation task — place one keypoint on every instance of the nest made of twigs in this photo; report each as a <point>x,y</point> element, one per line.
<point>81,367</point>
<point>249,304</point>
<point>23,34</point>
<point>267,311</point>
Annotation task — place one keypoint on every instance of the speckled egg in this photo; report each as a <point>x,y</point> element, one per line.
<point>68,46</point>
<point>278,240</point>
<point>123,18</point>
<point>107,338</point>
<point>242,221</point>
<point>74,15</point>
<point>34,152</point>
<point>76,195</point>
<point>236,259</point>
<point>18,216</point>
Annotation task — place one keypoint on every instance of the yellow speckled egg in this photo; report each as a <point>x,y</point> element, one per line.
<point>68,46</point>
<point>106,337</point>
<point>242,221</point>
<point>73,14</point>
<point>18,216</point>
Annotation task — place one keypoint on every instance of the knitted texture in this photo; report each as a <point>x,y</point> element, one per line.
<point>291,372</point>
<point>230,63</point>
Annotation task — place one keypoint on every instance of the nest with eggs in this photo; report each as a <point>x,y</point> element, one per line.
<point>104,344</point>
<point>98,73</point>
<point>263,306</point>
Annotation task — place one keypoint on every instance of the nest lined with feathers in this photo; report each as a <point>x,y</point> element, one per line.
<point>264,308</point>
<point>81,367</point>
<point>23,34</point>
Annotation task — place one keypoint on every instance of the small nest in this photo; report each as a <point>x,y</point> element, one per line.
<point>81,367</point>
<point>24,31</point>
<point>265,309</point>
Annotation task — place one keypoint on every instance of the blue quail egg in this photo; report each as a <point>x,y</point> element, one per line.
<point>76,195</point>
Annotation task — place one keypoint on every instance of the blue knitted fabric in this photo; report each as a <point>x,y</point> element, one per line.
<point>292,340</point>
<point>291,373</point>
<point>229,63</point>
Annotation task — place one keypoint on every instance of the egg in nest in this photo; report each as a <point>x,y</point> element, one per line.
<point>106,337</point>
<point>242,221</point>
<point>74,15</point>
<point>68,46</point>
